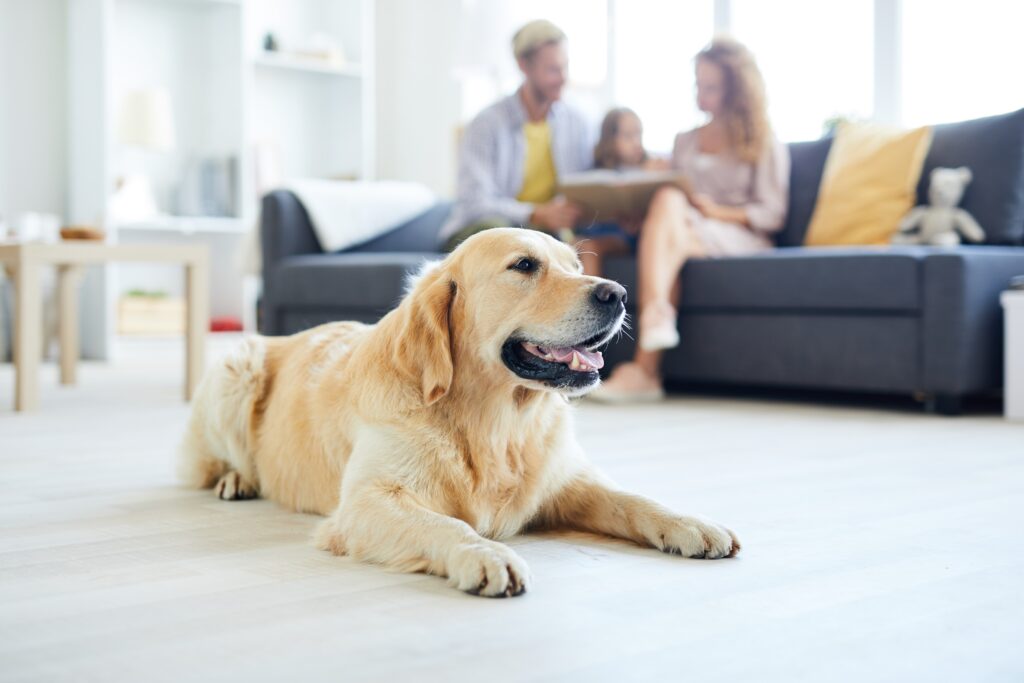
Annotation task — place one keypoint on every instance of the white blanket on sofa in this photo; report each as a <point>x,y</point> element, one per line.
<point>346,213</point>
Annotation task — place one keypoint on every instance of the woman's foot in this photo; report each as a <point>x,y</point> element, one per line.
<point>629,383</point>
<point>658,327</point>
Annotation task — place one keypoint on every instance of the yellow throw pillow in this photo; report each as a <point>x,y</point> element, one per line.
<point>869,184</point>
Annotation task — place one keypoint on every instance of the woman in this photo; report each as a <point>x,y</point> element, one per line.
<point>739,175</point>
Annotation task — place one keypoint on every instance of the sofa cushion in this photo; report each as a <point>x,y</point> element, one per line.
<point>993,148</point>
<point>869,184</point>
<point>799,279</point>
<point>365,281</point>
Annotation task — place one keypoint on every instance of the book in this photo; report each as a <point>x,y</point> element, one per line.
<point>610,193</point>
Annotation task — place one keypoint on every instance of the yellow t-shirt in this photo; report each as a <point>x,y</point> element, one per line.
<point>539,177</point>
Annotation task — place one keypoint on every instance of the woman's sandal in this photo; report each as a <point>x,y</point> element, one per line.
<point>658,329</point>
<point>629,383</point>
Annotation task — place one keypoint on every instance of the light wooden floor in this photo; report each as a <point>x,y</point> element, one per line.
<point>878,546</point>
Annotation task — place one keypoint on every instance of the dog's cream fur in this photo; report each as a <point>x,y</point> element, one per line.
<point>414,439</point>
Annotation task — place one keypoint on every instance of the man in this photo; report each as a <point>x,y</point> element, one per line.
<point>514,151</point>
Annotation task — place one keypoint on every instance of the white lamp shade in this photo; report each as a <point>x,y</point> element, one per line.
<point>147,119</point>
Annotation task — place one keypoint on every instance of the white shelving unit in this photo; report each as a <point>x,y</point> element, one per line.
<point>231,99</point>
<point>277,61</point>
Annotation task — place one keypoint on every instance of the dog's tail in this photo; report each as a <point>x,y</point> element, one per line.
<point>220,430</point>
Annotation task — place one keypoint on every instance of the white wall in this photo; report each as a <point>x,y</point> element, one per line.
<point>33,104</point>
<point>417,94</point>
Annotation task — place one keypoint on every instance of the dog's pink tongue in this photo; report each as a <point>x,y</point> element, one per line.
<point>593,359</point>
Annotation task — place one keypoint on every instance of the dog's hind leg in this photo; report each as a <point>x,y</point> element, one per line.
<point>216,451</point>
<point>198,467</point>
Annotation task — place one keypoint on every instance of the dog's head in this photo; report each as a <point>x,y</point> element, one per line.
<point>515,306</point>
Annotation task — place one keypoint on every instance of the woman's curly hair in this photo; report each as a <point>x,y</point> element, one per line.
<point>744,104</point>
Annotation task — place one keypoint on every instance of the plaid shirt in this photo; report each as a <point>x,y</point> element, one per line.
<point>492,155</point>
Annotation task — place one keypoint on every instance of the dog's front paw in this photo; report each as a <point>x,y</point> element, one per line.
<point>233,487</point>
<point>699,538</point>
<point>488,568</point>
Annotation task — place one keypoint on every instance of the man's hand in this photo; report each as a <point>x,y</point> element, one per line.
<point>556,214</point>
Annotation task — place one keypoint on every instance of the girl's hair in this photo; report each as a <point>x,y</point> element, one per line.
<point>743,104</point>
<point>605,155</point>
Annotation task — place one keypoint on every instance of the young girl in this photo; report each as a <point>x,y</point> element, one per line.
<point>621,147</point>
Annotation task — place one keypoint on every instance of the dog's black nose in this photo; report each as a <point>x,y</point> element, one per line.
<point>609,294</point>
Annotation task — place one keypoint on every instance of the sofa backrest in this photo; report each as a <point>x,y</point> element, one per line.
<point>286,230</point>
<point>992,147</point>
<point>807,163</point>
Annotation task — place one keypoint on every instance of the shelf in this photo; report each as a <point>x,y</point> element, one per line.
<point>187,225</point>
<point>208,3</point>
<point>307,65</point>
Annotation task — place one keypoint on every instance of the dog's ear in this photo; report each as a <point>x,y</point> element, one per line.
<point>424,345</point>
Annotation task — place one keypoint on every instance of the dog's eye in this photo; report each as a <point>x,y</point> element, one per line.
<point>524,265</point>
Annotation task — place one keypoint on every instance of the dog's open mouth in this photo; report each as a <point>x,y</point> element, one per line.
<point>578,358</point>
<point>570,367</point>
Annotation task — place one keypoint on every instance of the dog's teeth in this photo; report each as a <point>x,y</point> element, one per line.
<point>575,361</point>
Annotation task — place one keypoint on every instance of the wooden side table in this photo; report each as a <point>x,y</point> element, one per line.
<point>70,258</point>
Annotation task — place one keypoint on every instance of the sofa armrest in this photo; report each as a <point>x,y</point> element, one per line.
<point>962,329</point>
<point>285,229</point>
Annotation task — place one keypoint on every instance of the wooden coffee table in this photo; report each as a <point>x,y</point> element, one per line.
<point>70,258</point>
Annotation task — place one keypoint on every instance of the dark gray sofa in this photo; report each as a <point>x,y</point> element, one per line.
<point>907,320</point>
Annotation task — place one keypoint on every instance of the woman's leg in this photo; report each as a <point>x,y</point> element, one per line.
<point>666,241</point>
<point>650,361</point>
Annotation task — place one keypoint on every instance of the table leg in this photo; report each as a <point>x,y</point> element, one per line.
<point>28,326</point>
<point>68,279</point>
<point>197,304</point>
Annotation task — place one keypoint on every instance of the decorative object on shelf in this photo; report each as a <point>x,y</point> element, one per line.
<point>940,223</point>
<point>146,122</point>
<point>323,47</point>
<point>270,42</point>
<point>82,232</point>
<point>209,187</point>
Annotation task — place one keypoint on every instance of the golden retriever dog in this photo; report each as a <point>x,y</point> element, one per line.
<point>427,438</point>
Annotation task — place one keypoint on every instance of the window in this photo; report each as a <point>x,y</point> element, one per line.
<point>961,62</point>
<point>652,63</point>
<point>817,59</point>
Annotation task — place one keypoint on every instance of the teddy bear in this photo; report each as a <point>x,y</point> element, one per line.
<point>941,223</point>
